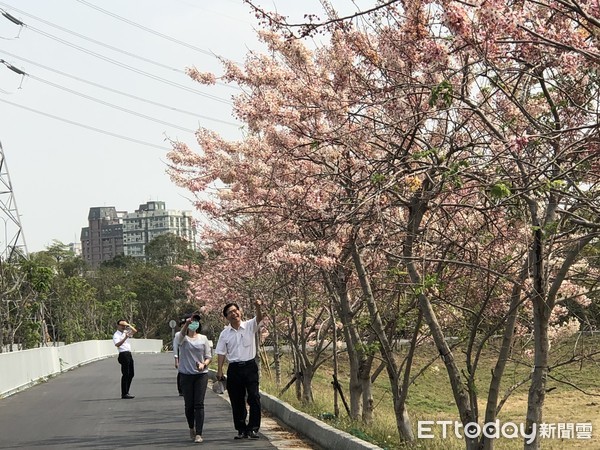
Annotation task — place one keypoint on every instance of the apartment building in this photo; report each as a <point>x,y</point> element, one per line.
<point>110,232</point>
<point>151,220</point>
<point>102,239</point>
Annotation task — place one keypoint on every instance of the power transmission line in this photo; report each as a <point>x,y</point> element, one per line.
<point>103,44</point>
<point>111,105</point>
<point>97,100</point>
<point>149,30</point>
<point>133,69</point>
<point>125,66</point>
<point>94,41</point>
<point>98,130</point>
<point>141,99</point>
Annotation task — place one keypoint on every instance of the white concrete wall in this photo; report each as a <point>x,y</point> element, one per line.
<point>22,369</point>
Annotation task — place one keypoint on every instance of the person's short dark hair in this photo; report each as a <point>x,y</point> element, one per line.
<point>196,317</point>
<point>227,306</point>
<point>186,317</point>
<point>120,320</point>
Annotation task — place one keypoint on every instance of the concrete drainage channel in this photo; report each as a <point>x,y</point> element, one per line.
<point>320,433</point>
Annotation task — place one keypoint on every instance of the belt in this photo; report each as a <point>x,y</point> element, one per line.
<point>241,363</point>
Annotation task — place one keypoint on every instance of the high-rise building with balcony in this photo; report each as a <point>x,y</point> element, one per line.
<point>151,220</point>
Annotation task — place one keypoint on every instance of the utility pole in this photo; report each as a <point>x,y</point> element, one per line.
<point>12,239</point>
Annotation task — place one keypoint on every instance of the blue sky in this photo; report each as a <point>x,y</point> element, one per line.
<point>87,125</point>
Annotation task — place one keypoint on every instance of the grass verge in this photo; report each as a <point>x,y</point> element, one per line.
<point>573,397</point>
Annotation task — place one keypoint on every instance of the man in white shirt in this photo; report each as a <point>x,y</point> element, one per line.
<point>121,341</point>
<point>237,343</point>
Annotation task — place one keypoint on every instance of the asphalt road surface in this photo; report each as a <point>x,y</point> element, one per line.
<point>83,409</point>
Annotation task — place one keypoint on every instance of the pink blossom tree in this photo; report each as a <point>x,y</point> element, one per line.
<point>455,143</point>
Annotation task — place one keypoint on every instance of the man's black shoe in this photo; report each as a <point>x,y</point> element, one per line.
<point>253,435</point>
<point>127,396</point>
<point>241,435</point>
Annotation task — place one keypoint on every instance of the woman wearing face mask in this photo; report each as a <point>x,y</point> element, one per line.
<point>194,357</point>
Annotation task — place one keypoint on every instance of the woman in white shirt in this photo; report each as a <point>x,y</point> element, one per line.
<point>194,357</point>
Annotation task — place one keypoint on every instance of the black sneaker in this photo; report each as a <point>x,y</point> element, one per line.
<point>241,435</point>
<point>253,434</point>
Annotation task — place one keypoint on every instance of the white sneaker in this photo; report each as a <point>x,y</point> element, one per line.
<point>198,439</point>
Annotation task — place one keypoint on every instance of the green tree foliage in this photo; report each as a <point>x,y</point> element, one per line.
<point>13,300</point>
<point>76,311</point>
<point>53,296</point>
<point>168,250</point>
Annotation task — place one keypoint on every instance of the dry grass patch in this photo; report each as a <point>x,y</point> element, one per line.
<point>430,398</point>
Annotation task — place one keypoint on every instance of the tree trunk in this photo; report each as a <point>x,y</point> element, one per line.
<point>337,286</point>
<point>276,359</point>
<point>541,315</point>
<point>297,374</point>
<point>539,376</point>
<point>417,209</point>
<point>507,340</point>
<point>307,377</point>
<point>403,424</point>
<point>461,397</point>
<point>336,406</point>
<point>367,394</point>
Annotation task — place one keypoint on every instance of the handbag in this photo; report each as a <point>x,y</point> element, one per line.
<point>219,386</point>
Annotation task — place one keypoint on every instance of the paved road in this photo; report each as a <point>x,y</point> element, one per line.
<point>82,409</point>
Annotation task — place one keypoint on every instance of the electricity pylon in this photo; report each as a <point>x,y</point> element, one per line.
<point>12,239</point>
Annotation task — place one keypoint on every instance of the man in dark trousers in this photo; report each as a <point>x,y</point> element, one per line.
<point>237,343</point>
<point>121,340</point>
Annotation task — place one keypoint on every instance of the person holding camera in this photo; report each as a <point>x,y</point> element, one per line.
<point>176,355</point>
<point>195,353</point>
<point>121,341</point>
